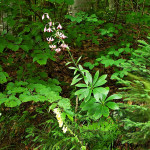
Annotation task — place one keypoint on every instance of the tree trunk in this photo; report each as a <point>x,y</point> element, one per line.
<point>111,4</point>
<point>80,5</point>
<point>117,9</point>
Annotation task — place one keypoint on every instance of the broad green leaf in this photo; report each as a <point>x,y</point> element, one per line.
<point>98,112</point>
<point>64,103</point>
<point>101,81</point>
<point>89,96</point>
<point>40,58</point>
<point>3,77</point>
<point>26,98</point>
<point>105,111</point>
<point>24,47</point>
<point>89,77</point>
<point>2,48</point>
<point>112,105</point>
<point>88,64</point>
<point>80,67</point>
<point>114,96</point>
<point>18,40</point>
<point>84,94</point>
<point>95,77</point>
<point>70,114</point>
<point>87,105</point>
<point>99,92</point>
<point>81,91</point>
<point>92,109</point>
<point>86,80</point>
<point>52,106</point>
<point>12,101</point>
<point>12,47</point>
<point>104,95</point>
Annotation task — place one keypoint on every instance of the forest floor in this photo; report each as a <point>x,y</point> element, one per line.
<point>58,69</point>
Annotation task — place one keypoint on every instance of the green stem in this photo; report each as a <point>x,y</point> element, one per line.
<point>72,58</point>
<point>74,61</point>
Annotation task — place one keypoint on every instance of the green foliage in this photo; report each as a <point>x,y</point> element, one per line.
<point>135,115</point>
<point>99,106</point>
<point>3,76</point>
<point>83,31</point>
<point>93,95</point>
<point>29,96</point>
<point>31,90</point>
<point>138,18</point>
<point>101,134</point>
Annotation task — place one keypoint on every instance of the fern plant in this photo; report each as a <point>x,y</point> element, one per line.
<point>135,114</point>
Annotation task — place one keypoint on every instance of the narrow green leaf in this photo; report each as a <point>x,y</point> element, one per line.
<point>81,85</point>
<point>68,63</point>
<point>75,80</point>
<point>73,68</point>
<point>75,71</point>
<point>78,60</point>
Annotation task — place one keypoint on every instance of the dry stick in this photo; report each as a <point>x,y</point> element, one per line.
<point>143,7</point>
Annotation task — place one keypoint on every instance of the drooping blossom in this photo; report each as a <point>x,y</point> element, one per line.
<point>50,23</point>
<point>46,16</point>
<point>58,116</point>
<point>45,29</point>
<point>57,50</point>
<point>60,35</point>
<point>64,46</point>
<point>63,36</point>
<point>64,129</point>
<point>52,46</point>
<point>59,26</point>
<point>59,119</point>
<point>43,16</point>
<point>50,39</point>
<point>49,30</point>
<point>56,111</point>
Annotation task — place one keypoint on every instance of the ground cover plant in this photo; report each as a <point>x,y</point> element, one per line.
<point>74,74</point>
